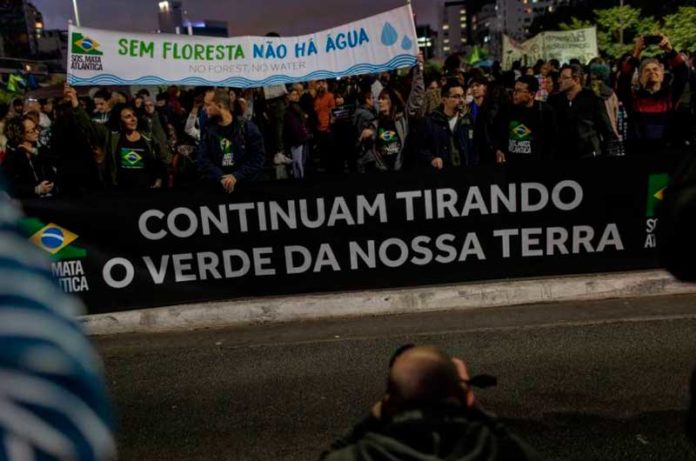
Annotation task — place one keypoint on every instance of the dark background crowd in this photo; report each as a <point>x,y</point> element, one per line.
<point>461,117</point>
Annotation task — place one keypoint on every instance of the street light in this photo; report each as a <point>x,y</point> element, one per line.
<point>77,13</point>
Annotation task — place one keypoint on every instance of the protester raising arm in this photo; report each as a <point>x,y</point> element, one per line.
<point>416,97</point>
<point>653,101</point>
<point>133,160</point>
<point>192,127</point>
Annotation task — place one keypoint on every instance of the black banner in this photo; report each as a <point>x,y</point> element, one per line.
<point>361,232</point>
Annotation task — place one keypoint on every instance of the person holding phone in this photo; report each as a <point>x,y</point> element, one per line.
<point>651,105</point>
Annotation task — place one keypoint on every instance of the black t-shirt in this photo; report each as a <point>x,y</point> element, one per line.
<point>134,163</point>
<point>525,133</point>
<point>388,143</point>
<point>226,135</point>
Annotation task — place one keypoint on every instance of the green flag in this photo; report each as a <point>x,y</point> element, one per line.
<point>477,55</point>
<point>14,83</point>
<point>657,183</point>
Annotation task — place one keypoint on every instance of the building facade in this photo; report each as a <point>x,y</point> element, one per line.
<point>455,28</point>
<point>171,17</point>
<point>515,17</point>
<point>427,41</point>
<point>21,25</point>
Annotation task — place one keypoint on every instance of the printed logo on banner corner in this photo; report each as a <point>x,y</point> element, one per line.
<point>657,183</point>
<point>81,44</point>
<point>67,258</point>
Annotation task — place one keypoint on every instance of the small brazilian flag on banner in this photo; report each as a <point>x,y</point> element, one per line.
<point>85,45</point>
<point>657,183</point>
<point>53,239</point>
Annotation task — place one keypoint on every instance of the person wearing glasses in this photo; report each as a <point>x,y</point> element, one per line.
<point>532,126</point>
<point>429,412</point>
<point>449,132</point>
<point>26,166</point>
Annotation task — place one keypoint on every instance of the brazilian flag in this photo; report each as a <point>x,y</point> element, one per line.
<point>657,183</point>
<point>53,239</point>
<point>85,45</point>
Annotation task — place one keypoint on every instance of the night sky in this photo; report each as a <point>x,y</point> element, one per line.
<point>287,17</point>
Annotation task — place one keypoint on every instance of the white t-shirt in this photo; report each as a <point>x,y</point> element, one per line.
<point>453,122</point>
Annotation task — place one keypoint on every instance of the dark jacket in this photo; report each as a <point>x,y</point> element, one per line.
<point>295,132</point>
<point>247,147</point>
<point>25,172</point>
<point>73,147</point>
<point>451,433</point>
<point>154,127</point>
<point>584,126</point>
<point>650,114</point>
<point>489,130</point>
<point>438,140</point>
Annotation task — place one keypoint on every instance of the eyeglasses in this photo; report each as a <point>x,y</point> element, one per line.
<point>456,96</point>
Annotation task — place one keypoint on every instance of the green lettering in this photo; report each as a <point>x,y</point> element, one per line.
<point>133,48</point>
<point>239,53</point>
<point>123,46</point>
<point>198,51</point>
<point>187,52</point>
<point>166,48</point>
<point>220,52</point>
<point>209,50</point>
<point>147,49</point>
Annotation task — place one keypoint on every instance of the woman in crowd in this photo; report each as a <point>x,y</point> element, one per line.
<point>132,160</point>
<point>391,128</point>
<point>296,133</point>
<point>26,166</point>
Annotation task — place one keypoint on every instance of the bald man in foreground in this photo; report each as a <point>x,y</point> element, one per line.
<point>428,413</point>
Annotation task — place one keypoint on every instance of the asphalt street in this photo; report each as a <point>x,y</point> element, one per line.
<point>579,381</point>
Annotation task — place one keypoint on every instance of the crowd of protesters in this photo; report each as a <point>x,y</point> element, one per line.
<point>463,117</point>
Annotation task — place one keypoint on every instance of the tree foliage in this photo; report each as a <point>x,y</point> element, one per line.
<point>616,28</point>
<point>680,27</point>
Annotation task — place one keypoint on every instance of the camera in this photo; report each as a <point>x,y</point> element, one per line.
<point>652,40</point>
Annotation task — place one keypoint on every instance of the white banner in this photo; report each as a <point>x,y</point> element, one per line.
<point>562,45</point>
<point>380,43</point>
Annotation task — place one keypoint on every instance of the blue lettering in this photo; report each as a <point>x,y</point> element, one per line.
<point>258,51</point>
<point>341,41</point>
<point>353,39</point>
<point>363,37</point>
<point>312,48</point>
<point>282,51</point>
<point>270,52</point>
<point>330,45</point>
<point>300,49</point>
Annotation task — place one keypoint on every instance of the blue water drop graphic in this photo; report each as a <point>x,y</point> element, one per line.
<point>389,35</point>
<point>406,43</point>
